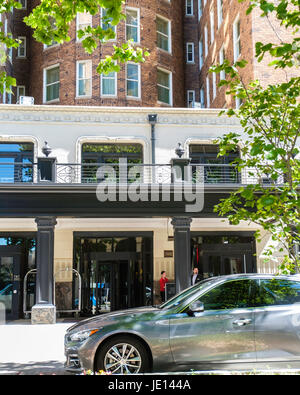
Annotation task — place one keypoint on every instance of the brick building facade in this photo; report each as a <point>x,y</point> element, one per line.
<point>184,38</point>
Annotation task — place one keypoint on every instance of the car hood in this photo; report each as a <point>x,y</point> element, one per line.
<point>105,319</point>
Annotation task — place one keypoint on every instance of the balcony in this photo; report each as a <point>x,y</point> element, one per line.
<point>95,173</point>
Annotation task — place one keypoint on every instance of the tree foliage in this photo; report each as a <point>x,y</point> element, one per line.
<point>269,161</point>
<point>51,22</point>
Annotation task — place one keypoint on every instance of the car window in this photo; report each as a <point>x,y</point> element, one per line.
<point>183,297</point>
<point>229,295</point>
<point>278,292</point>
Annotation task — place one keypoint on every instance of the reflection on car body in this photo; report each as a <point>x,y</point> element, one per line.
<point>236,321</point>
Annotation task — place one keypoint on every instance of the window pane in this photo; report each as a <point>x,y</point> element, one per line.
<point>132,72</point>
<point>52,75</point>
<point>278,292</point>
<point>108,86</point>
<point>163,78</point>
<point>52,92</point>
<point>132,89</point>
<point>163,95</point>
<point>231,295</point>
<point>131,33</point>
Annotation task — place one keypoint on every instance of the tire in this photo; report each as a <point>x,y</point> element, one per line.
<point>123,355</point>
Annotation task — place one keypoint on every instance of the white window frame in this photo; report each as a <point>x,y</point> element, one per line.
<point>139,82</point>
<point>103,76</point>
<point>170,87</point>
<point>188,98</point>
<point>212,25</point>
<point>220,12</point>
<point>77,79</point>
<point>214,80</point>
<point>77,24</point>
<point>236,39</point>
<point>114,28</point>
<point>199,9</point>
<point>221,61</point>
<point>138,26</point>
<point>207,93</point>
<point>205,41</point>
<point>169,33</point>
<point>202,97</point>
<point>188,46</point>
<point>189,4</point>
<point>19,87</point>
<point>201,58</point>
<point>45,86</point>
<point>22,38</point>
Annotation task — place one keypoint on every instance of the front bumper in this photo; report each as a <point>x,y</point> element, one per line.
<point>73,363</point>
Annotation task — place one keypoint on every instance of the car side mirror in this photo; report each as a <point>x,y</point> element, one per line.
<point>197,307</point>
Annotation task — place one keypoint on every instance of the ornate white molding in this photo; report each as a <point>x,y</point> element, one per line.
<point>104,115</point>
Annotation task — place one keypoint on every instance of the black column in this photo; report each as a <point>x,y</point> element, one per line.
<point>182,252</point>
<point>45,259</point>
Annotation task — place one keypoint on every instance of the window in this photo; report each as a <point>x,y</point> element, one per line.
<point>236,40</point>
<point>212,26</point>
<point>277,292</point>
<point>201,54</point>
<point>163,34</point>
<point>20,92</point>
<point>133,80</point>
<point>24,4</point>
<point>84,78</point>
<point>221,61</point>
<point>22,47</point>
<point>220,12</point>
<point>16,161</point>
<point>199,9</point>
<point>207,93</point>
<point>190,52</point>
<point>109,84</point>
<point>51,83</point>
<point>230,295</point>
<point>189,9</point>
<point>164,86</point>
<point>205,41</point>
<point>106,22</point>
<point>214,78</point>
<point>132,25</point>
<point>238,102</point>
<point>84,20</point>
<point>191,99</point>
<point>202,100</point>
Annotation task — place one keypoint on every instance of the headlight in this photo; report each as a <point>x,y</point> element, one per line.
<point>82,335</point>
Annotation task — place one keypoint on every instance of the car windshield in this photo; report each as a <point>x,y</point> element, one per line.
<point>187,294</point>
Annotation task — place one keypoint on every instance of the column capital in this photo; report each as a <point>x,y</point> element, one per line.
<point>181,223</point>
<point>45,222</point>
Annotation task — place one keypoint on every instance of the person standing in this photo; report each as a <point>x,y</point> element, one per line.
<point>162,282</point>
<point>195,276</point>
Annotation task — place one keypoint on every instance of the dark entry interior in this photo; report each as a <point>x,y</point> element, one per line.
<point>17,256</point>
<point>116,272</point>
<point>220,254</point>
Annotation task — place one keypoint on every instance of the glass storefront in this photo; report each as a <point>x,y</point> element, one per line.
<point>17,257</point>
<point>116,272</point>
<point>221,254</point>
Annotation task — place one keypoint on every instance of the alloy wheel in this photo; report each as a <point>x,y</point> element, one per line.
<point>122,358</point>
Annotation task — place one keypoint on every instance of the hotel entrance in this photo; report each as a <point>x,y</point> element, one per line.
<point>219,254</point>
<point>116,272</point>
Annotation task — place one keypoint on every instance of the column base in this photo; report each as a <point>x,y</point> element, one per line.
<point>43,314</point>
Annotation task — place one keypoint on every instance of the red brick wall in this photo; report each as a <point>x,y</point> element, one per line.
<point>67,55</point>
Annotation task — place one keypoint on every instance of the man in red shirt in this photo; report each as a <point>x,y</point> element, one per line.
<point>162,283</point>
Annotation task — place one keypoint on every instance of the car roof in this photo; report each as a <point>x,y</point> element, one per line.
<point>295,277</point>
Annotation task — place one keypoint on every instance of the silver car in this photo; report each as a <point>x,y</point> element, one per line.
<point>236,321</point>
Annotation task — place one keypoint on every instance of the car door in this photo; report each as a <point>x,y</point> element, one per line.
<point>223,332</point>
<point>277,321</point>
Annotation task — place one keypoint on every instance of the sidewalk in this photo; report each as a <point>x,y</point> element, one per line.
<point>32,349</point>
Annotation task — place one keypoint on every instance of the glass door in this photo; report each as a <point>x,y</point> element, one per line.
<point>10,281</point>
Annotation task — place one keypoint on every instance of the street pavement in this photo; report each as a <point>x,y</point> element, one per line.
<point>32,349</point>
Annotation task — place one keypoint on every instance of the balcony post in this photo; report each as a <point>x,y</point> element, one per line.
<point>44,311</point>
<point>182,252</point>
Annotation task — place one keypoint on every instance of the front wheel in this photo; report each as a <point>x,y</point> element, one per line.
<point>123,355</point>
